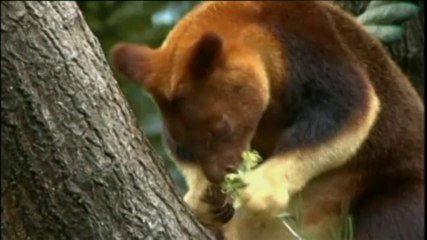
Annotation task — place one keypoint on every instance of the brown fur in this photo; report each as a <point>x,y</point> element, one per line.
<point>336,120</point>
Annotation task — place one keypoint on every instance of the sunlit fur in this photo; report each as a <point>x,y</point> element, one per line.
<point>271,185</point>
<point>339,124</point>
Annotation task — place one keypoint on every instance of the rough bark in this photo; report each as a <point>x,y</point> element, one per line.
<point>409,51</point>
<point>73,163</point>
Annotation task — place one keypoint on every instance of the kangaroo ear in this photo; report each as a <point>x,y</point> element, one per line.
<point>206,55</point>
<point>133,61</point>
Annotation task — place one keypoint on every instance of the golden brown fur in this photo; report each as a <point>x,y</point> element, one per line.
<point>338,123</point>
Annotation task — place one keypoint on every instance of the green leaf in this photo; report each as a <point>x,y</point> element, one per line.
<point>374,4</point>
<point>233,183</point>
<point>386,34</point>
<point>397,12</point>
<point>250,160</point>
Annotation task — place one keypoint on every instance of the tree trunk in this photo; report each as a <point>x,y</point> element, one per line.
<point>73,163</point>
<point>409,51</point>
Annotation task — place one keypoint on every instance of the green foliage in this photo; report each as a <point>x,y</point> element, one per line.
<point>384,19</point>
<point>387,34</point>
<point>386,12</point>
<point>233,183</point>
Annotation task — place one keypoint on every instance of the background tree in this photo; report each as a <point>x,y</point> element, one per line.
<point>73,163</point>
